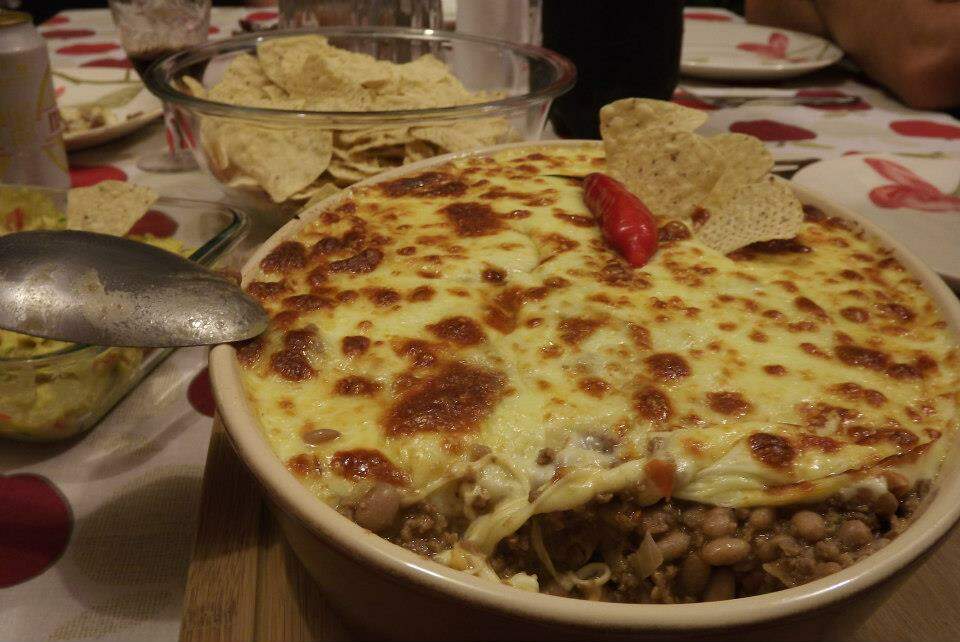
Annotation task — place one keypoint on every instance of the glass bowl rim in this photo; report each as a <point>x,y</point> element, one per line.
<point>209,251</point>
<point>158,77</point>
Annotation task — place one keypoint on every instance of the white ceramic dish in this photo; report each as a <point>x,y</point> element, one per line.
<point>915,199</point>
<point>415,598</point>
<point>119,90</point>
<point>737,51</point>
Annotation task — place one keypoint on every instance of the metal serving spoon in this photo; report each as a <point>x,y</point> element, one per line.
<point>106,290</point>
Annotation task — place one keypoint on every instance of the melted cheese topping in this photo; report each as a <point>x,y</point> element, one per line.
<point>465,335</point>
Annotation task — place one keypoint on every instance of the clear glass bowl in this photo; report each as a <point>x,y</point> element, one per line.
<point>525,78</point>
<point>61,394</point>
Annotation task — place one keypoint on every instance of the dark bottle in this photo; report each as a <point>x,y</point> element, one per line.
<point>622,48</point>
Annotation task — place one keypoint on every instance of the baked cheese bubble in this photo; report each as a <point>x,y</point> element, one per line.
<point>293,163</point>
<point>457,361</point>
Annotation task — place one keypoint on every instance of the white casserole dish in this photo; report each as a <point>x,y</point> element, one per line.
<point>390,592</point>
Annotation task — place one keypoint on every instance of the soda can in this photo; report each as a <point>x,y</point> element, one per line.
<point>31,131</point>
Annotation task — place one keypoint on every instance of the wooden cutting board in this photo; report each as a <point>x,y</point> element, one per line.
<point>246,585</point>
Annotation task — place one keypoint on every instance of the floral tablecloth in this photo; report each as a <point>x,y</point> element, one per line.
<point>96,534</point>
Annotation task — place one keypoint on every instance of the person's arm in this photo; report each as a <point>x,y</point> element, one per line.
<point>910,46</point>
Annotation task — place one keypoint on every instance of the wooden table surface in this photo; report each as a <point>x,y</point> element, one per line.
<point>246,585</point>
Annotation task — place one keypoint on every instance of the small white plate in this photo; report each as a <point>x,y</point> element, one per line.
<point>118,90</point>
<point>736,51</point>
<point>915,199</point>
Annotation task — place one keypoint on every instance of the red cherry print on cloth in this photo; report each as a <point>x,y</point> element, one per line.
<point>213,30</point>
<point>35,526</point>
<point>58,19</point>
<point>59,91</point>
<point>155,223</point>
<point>776,46</point>
<point>832,93</point>
<point>262,15</point>
<point>908,190</point>
<point>87,48</point>
<point>771,130</point>
<point>926,129</point>
<point>85,175</point>
<point>706,15</point>
<point>64,34</point>
<point>200,395</point>
<point>685,99</point>
<point>120,63</point>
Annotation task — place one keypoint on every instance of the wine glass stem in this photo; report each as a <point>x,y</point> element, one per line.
<point>176,141</point>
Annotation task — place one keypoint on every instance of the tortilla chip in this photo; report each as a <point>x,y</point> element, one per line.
<point>672,171</point>
<point>307,73</point>
<point>417,150</point>
<point>109,207</point>
<point>463,135</point>
<point>317,193</point>
<point>746,161</point>
<point>194,87</point>
<point>759,211</point>
<point>282,160</point>
<point>631,114</point>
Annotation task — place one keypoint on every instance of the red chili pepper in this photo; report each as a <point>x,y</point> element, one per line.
<point>627,224</point>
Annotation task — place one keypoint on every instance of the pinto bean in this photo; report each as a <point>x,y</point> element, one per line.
<point>693,517</point>
<point>766,549</point>
<point>320,436</point>
<point>378,508</point>
<point>674,544</point>
<point>808,526</point>
<point>854,533</point>
<point>823,569</point>
<point>693,575</point>
<point>763,518</point>
<point>725,551</point>
<point>721,586</point>
<point>886,504</point>
<point>655,521</point>
<point>719,522</point>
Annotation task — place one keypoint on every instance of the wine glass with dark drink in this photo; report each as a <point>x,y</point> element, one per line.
<point>153,29</point>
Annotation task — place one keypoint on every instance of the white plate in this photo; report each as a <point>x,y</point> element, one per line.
<point>894,200</point>
<point>735,51</point>
<point>120,90</point>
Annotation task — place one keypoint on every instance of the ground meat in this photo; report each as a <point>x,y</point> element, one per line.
<point>709,553</point>
<point>425,530</point>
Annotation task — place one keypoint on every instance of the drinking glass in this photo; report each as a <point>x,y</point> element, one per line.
<point>419,14</point>
<point>622,49</point>
<point>152,29</point>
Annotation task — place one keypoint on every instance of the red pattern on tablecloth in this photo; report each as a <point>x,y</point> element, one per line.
<point>86,175</point>
<point>87,48</point>
<point>120,63</point>
<point>64,34</point>
<point>926,129</point>
<point>261,16</point>
<point>35,526</point>
<point>706,15</point>
<point>771,130</point>
<point>200,394</point>
<point>155,223</point>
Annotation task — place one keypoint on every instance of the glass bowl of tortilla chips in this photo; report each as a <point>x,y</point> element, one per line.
<point>284,117</point>
<point>49,389</point>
